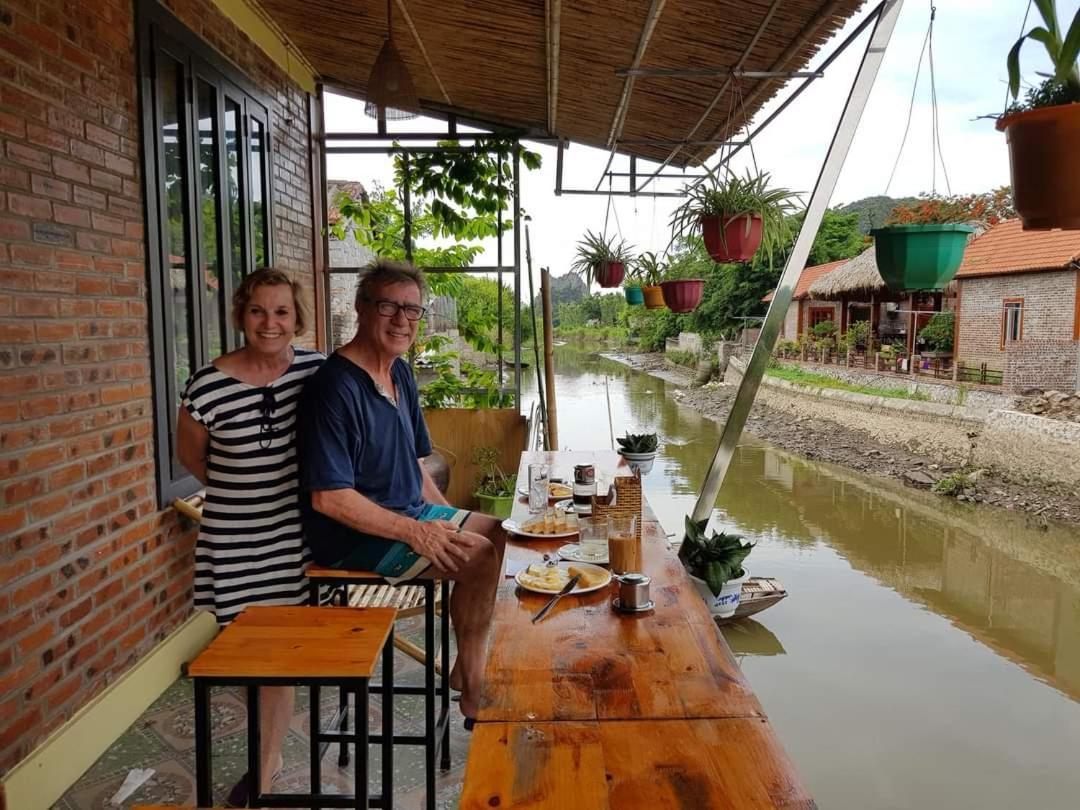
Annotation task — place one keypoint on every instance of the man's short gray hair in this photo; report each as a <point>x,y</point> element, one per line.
<point>383,272</point>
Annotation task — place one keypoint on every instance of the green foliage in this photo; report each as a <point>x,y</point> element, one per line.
<point>609,309</point>
<point>471,387</point>
<point>858,334</point>
<point>938,332</point>
<point>655,326</point>
<point>786,348</point>
<point>810,379</point>
<point>825,329</point>
<point>491,480</point>
<point>951,485</point>
<point>681,358</point>
<point>838,238</point>
<point>593,249</point>
<point>715,558</point>
<point>729,196</point>
<point>638,443</point>
<point>990,207</point>
<point>872,211</point>
<point>1063,48</point>
<point>1048,93</point>
<point>648,269</point>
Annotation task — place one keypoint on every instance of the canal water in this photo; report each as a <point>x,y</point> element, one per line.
<point>928,653</point>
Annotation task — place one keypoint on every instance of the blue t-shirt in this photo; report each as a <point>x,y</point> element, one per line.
<point>350,436</point>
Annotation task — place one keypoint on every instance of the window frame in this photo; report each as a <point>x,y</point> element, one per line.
<point>1015,304</point>
<point>161,35</point>
<point>814,311</point>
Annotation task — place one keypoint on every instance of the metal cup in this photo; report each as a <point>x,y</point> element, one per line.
<point>633,591</point>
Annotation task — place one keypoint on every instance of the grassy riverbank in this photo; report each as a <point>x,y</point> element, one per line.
<point>811,379</point>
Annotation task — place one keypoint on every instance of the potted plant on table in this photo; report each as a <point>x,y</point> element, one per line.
<point>737,215</point>
<point>922,244</point>
<point>639,450</point>
<point>494,489</point>
<point>651,271</point>
<point>1043,131</point>
<point>602,259</point>
<point>715,564</point>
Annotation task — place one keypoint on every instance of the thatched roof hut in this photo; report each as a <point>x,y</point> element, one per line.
<point>855,277</point>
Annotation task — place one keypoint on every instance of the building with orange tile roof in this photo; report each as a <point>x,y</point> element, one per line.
<point>802,312</point>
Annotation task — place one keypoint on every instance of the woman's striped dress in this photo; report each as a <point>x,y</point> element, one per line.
<point>250,549</point>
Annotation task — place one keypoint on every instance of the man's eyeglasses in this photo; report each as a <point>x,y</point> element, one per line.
<point>390,309</point>
<point>266,425</point>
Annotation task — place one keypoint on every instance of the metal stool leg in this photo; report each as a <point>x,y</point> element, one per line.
<point>343,696</point>
<point>253,740</point>
<point>314,753</point>
<point>204,779</point>
<point>444,632</point>
<point>360,771</point>
<point>429,693</point>
<point>388,723</point>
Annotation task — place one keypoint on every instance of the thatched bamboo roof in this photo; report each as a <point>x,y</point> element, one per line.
<point>503,61</point>
<point>855,276</point>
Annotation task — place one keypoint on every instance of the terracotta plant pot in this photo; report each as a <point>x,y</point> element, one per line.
<point>654,297</point>
<point>683,295</point>
<point>634,295</point>
<point>919,257</point>
<point>609,274</point>
<point>1045,160</point>
<point>742,237</point>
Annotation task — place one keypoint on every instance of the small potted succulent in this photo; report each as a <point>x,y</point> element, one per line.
<point>1043,131</point>
<point>921,245</point>
<point>601,259</point>
<point>651,271</point>
<point>715,564</point>
<point>632,286</point>
<point>494,489</point>
<point>737,215</point>
<point>639,450</point>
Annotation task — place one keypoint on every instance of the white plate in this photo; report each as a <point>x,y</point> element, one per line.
<point>523,490</point>
<point>565,566</point>
<point>570,552</point>
<point>514,527</point>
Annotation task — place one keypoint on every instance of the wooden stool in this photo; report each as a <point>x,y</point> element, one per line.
<point>369,588</point>
<point>298,646</point>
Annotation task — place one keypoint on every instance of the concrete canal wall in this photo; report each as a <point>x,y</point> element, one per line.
<point>1030,446</point>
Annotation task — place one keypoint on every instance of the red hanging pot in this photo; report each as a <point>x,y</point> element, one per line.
<point>609,274</point>
<point>742,237</point>
<point>683,295</point>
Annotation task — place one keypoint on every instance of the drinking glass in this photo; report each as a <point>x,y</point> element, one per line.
<point>624,545</point>
<point>592,538</point>
<point>538,487</point>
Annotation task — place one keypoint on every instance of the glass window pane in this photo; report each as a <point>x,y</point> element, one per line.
<point>232,197</point>
<point>213,289</point>
<point>174,172</point>
<point>258,209</point>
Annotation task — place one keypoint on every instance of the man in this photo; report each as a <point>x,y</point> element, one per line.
<point>368,501</point>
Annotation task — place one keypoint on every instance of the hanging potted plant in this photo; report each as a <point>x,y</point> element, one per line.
<point>651,271</point>
<point>632,286</point>
<point>494,489</point>
<point>715,564</point>
<point>737,215</point>
<point>681,292</point>
<point>1043,131</point>
<point>602,260</point>
<point>922,244</point>
<point>639,450</point>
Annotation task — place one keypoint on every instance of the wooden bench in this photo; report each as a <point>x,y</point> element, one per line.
<point>369,589</point>
<point>301,646</point>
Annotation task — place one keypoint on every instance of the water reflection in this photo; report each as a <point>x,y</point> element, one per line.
<point>931,650</point>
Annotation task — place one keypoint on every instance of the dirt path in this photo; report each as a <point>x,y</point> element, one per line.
<point>820,440</point>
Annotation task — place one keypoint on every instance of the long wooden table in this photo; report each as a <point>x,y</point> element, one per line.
<point>592,708</point>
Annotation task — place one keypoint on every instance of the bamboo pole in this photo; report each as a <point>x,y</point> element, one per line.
<point>549,368</point>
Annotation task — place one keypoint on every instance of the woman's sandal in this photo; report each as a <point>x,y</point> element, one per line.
<point>469,723</point>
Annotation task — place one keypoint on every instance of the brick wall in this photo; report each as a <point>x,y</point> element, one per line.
<point>1049,311</point>
<point>1046,364</point>
<point>92,574</point>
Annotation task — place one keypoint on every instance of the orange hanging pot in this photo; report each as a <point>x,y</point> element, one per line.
<point>654,296</point>
<point>1044,156</point>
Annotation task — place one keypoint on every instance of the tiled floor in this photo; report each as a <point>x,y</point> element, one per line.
<point>163,739</point>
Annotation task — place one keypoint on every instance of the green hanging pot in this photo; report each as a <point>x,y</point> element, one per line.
<point>634,295</point>
<point>919,257</point>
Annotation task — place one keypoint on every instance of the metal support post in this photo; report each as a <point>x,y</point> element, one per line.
<point>819,200</point>
<point>517,275</point>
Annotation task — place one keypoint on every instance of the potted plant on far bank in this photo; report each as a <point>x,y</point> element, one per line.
<point>651,271</point>
<point>921,245</point>
<point>601,259</point>
<point>938,335</point>
<point>1043,131</point>
<point>715,564</point>
<point>639,450</point>
<point>737,215</point>
<point>494,489</point>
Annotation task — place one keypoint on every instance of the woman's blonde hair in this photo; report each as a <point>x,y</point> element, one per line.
<point>271,277</point>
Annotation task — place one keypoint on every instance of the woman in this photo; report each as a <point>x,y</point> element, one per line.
<point>368,501</point>
<point>236,432</point>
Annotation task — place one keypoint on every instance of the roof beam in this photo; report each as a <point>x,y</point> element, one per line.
<point>619,119</point>
<point>809,30</point>
<point>423,51</point>
<point>691,73</point>
<point>553,22</point>
<point>720,93</point>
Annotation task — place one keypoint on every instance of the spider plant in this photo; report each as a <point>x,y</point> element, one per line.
<point>594,250</point>
<point>1063,85</point>
<point>730,197</point>
<point>649,269</point>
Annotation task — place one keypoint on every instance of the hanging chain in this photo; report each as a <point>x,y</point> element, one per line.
<point>939,153</point>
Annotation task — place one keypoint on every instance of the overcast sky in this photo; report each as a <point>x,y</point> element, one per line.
<point>971,40</point>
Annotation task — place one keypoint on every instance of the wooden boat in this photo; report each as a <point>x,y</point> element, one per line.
<point>758,593</point>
